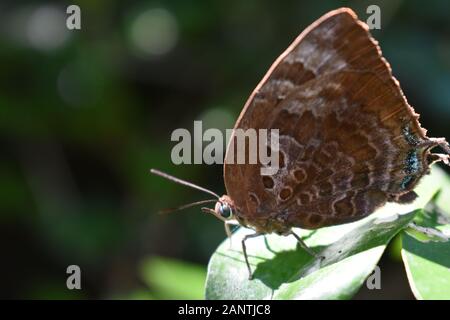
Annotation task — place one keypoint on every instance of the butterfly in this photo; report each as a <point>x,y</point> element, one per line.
<point>348,140</point>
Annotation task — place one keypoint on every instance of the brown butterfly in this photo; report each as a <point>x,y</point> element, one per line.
<point>348,140</point>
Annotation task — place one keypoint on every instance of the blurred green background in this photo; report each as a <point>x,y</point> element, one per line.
<point>84,115</point>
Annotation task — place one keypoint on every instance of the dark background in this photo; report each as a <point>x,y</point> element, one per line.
<point>85,114</point>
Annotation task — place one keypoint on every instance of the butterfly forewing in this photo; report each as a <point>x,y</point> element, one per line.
<point>349,141</point>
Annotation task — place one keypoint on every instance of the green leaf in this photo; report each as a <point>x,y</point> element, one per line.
<point>172,279</point>
<point>283,270</point>
<point>425,234</point>
<point>427,266</point>
<point>427,256</point>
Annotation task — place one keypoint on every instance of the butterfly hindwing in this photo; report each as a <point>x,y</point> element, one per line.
<point>349,141</point>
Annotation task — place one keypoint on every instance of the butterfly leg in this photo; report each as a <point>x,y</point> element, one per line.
<point>244,249</point>
<point>228,230</point>
<point>304,246</point>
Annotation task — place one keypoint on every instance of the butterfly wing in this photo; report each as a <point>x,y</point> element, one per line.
<point>349,141</point>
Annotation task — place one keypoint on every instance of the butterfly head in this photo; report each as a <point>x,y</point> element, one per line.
<point>225,208</point>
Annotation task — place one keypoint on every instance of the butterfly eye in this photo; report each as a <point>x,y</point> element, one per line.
<point>225,211</point>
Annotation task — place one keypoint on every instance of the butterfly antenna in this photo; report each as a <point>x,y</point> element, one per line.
<point>185,206</point>
<point>179,181</point>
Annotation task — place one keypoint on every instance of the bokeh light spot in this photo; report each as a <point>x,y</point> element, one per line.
<point>46,28</point>
<point>154,31</point>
